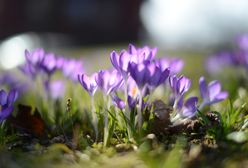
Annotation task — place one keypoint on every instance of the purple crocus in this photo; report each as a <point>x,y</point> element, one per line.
<point>39,61</point>
<point>142,54</point>
<point>108,81</point>
<point>188,108</point>
<point>147,74</point>
<point>36,57</point>
<point>49,63</point>
<point>211,93</point>
<point>29,70</point>
<point>179,85</point>
<point>140,73</point>
<point>6,103</point>
<point>157,75</point>
<point>60,62</point>
<point>174,64</point>
<point>216,62</point>
<point>57,89</point>
<point>88,83</point>
<point>71,68</point>
<point>136,55</point>
<point>242,42</point>
<point>118,102</point>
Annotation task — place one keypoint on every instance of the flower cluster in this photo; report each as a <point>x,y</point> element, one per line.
<point>44,65</point>
<point>137,73</point>
<point>237,57</point>
<point>127,89</point>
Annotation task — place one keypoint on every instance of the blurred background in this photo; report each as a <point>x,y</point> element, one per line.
<point>168,24</point>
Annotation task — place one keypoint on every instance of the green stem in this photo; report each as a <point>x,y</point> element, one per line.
<point>94,116</point>
<point>106,127</point>
<point>139,110</point>
<point>127,111</point>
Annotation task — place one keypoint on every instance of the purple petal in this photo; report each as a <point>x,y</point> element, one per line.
<point>173,82</point>
<point>203,88</point>
<point>191,102</point>
<point>132,101</point>
<point>132,49</point>
<point>242,42</point>
<point>99,79</point>
<point>153,53</point>
<point>180,103</point>
<point>114,57</point>
<point>85,81</point>
<point>214,89</point>
<point>190,107</point>
<point>125,58</point>
<point>88,83</point>
<point>184,84</point>
<point>164,75</point>
<point>176,66</point>
<point>155,78</point>
<point>60,62</point>
<point>163,63</point>
<point>118,102</point>
<point>57,89</point>
<point>220,97</point>
<point>12,97</point>
<point>3,97</point>
<point>188,113</point>
<point>50,63</point>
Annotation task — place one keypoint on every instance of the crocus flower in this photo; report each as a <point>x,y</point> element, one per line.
<point>142,54</point>
<point>211,93</point>
<point>71,68</point>
<point>49,63</point>
<point>60,62</point>
<point>157,75</point>
<point>188,108</point>
<point>179,85</point>
<point>57,89</point>
<point>147,73</point>
<point>108,81</point>
<point>88,83</point>
<point>216,62</point>
<point>39,61</point>
<point>140,73</point>
<point>29,70</point>
<point>136,55</point>
<point>174,64</point>
<point>36,57</point>
<point>118,102</point>
<point>120,61</point>
<point>6,103</point>
<point>236,58</point>
<point>242,42</point>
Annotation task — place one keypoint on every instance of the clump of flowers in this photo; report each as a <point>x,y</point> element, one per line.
<point>126,93</point>
<point>43,66</point>
<point>237,57</point>
<point>137,73</point>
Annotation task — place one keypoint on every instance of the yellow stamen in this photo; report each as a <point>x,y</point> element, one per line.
<point>134,91</point>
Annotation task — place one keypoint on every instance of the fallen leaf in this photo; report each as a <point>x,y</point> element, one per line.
<point>28,122</point>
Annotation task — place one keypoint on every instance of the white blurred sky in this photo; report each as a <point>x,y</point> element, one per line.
<point>198,23</point>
